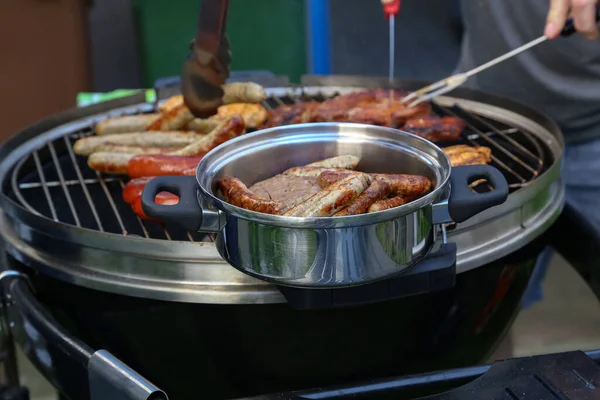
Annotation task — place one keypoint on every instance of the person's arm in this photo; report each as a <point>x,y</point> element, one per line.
<point>583,13</point>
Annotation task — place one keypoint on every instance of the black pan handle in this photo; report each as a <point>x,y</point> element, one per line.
<point>187,213</point>
<point>463,202</point>
<point>569,28</point>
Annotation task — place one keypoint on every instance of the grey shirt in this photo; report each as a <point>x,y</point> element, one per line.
<point>561,78</point>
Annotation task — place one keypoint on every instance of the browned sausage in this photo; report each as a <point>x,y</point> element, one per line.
<point>117,162</point>
<point>120,148</point>
<point>125,124</point>
<point>110,163</point>
<point>400,184</point>
<point>332,199</point>
<point>174,139</point>
<point>346,162</point>
<point>308,172</point>
<point>377,191</point>
<point>236,193</point>
<point>407,185</point>
<point>228,129</point>
<point>388,203</point>
<point>174,119</point>
<point>243,92</point>
<point>202,125</point>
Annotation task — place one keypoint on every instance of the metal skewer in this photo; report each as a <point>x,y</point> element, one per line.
<point>391,9</point>
<point>445,85</point>
<point>392,22</point>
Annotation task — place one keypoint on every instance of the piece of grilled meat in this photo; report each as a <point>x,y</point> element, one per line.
<point>381,107</point>
<point>463,154</point>
<point>290,114</point>
<point>436,129</point>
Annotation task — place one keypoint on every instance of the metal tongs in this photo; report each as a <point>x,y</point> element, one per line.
<point>208,65</point>
<point>446,85</point>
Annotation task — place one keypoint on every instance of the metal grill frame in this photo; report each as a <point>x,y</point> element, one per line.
<point>194,272</point>
<point>472,135</point>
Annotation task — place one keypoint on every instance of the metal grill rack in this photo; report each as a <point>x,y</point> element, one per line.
<point>56,183</point>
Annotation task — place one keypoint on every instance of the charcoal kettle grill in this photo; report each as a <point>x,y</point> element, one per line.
<point>158,302</point>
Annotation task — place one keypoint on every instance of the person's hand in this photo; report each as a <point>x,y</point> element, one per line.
<point>583,13</point>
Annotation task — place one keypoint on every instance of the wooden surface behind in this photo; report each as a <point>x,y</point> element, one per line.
<point>44,59</point>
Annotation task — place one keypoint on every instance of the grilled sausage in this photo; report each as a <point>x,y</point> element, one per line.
<point>400,184</point>
<point>253,114</point>
<point>161,165</point>
<point>118,148</point>
<point>388,203</point>
<point>136,206</point>
<point>407,185</point>
<point>89,145</point>
<point>202,125</point>
<point>125,124</point>
<point>134,188</point>
<point>345,162</point>
<point>243,92</point>
<point>110,163</point>
<point>175,119</point>
<point>117,163</point>
<point>228,129</point>
<point>377,191</point>
<point>307,172</point>
<point>236,193</point>
<point>332,199</point>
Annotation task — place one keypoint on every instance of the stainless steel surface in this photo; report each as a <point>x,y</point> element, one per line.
<point>109,378</point>
<point>182,270</point>
<point>327,257</point>
<point>446,85</point>
<point>326,251</point>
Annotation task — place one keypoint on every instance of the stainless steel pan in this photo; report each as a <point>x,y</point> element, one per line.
<point>332,251</point>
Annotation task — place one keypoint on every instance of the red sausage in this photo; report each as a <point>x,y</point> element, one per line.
<point>160,165</point>
<point>136,206</point>
<point>133,191</point>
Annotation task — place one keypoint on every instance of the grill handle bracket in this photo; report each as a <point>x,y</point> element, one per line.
<point>111,379</point>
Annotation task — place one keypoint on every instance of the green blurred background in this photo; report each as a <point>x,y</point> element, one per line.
<point>259,41</point>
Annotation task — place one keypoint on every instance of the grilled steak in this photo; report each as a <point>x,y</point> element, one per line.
<point>290,114</point>
<point>288,189</point>
<point>374,106</point>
